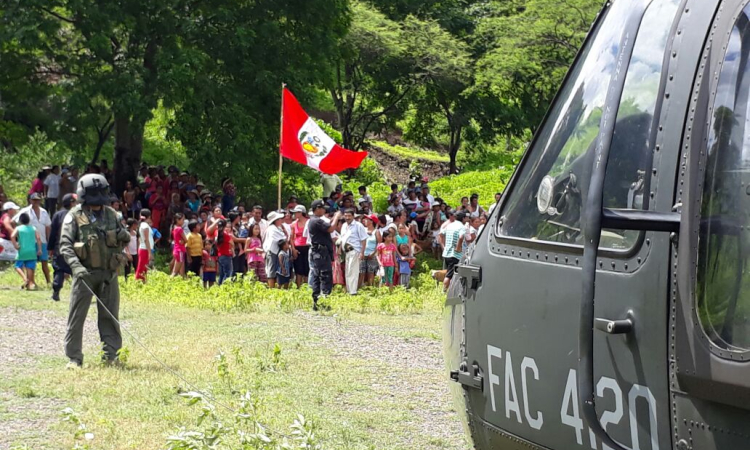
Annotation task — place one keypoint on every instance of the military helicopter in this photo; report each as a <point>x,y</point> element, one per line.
<point>605,304</point>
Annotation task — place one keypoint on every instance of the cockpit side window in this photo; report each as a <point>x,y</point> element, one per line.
<point>548,201</point>
<point>723,280</point>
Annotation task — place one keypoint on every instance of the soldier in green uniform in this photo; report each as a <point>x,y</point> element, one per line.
<point>91,242</point>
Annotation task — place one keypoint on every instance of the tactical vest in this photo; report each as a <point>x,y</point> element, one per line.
<point>97,245</point>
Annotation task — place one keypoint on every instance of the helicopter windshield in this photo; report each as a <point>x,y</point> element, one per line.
<point>723,290</point>
<point>547,203</point>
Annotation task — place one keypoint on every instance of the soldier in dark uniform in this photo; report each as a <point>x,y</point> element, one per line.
<point>321,251</point>
<point>53,245</point>
<point>92,242</point>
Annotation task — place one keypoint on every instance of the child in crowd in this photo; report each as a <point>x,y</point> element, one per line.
<point>29,245</point>
<point>386,252</point>
<point>210,263</point>
<point>405,262</point>
<point>284,275</point>
<point>145,245</point>
<point>157,237</point>
<point>179,251</point>
<point>131,251</point>
<point>194,248</point>
<point>255,253</point>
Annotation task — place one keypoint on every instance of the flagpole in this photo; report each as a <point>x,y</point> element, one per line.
<point>281,133</point>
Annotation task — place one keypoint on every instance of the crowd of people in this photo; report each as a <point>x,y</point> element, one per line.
<point>213,236</point>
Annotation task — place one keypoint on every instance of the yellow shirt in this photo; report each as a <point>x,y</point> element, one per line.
<point>194,244</point>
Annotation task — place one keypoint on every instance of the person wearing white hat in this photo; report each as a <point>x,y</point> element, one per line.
<point>274,233</point>
<point>10,209</point>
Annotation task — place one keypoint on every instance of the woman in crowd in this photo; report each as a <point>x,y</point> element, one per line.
<point>10,209</point>
<point>369,265</point>
<point>37,186</point>
<point>300,245</point>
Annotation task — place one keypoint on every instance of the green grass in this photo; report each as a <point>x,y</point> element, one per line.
<point>411,152</point>
<point>345,395</point>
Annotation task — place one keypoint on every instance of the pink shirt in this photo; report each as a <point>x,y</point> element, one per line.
<point>387,252</point>
<point>36,186</point>
<point>177,234</point>
<point>299,239</point>
<point>254,243</point>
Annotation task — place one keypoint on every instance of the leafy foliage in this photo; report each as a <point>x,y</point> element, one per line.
<point>410,152</point>
<point>250,295</point>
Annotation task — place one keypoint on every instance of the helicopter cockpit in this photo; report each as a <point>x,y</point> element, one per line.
<point>547,205</point>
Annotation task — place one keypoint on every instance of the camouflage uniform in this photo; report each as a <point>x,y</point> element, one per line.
<point>92,243</point>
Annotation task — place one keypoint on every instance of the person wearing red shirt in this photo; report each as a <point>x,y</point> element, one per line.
<point>225,250</point>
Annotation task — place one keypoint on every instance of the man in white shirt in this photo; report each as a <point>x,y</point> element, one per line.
<point>258,218</point>
<point>354,237</point>
<point>41,221</point>
<point>52,190</point>
<point>426,192</point>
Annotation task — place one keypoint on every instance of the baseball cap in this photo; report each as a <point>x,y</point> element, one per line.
<point>35,196</point>
<point>300,209</point>
<point>10,205</point>
<point>434,204</point>
<point>362,200</point>
<point>68,199</point>
<point>317,204</point>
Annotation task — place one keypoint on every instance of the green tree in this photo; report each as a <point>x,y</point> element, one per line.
<point>526,47</point>
<point>218,63</point>
<point>371,75</point>
<point>444,67</point>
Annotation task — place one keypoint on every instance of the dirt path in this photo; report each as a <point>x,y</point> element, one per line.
<point>409,369</point>
<point>26,336</point>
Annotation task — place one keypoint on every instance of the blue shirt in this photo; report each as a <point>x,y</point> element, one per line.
<point>403,265</point>
<point>156,235</point>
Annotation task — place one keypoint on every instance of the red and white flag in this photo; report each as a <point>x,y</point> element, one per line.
<point>302,140</point>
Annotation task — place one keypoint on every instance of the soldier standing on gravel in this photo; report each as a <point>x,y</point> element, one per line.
<point>92,242</point>
<point>321,251</point>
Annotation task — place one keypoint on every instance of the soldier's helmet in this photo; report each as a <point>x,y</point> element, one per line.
<point>93,189</point>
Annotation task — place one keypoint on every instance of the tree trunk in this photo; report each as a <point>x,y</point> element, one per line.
<point>128,151</point>
<point>454,147</point>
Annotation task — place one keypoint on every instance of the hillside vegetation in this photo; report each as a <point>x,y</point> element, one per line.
<point>199,84</point>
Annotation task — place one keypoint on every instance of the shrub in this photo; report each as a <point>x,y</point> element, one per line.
<point>250,295</point>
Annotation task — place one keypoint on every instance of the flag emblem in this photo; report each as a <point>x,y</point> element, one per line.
<point>303,140</point>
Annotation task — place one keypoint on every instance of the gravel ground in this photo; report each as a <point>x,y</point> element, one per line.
<point>25,336</point>
<point>410,370</point>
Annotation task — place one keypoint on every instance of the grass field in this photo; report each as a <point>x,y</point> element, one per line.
<point>365,381</point>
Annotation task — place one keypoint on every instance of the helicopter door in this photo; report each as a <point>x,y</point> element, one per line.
<point>711,393</point>
<point>523,279</point>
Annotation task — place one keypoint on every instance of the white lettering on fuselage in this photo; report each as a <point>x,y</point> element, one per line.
<point>606,388</point>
